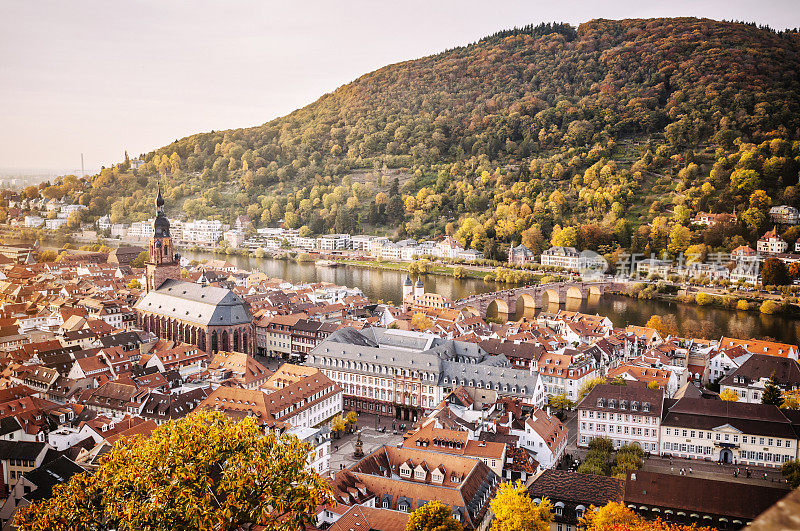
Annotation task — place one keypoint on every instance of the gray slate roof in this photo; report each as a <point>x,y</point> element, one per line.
<point>450,362</point>
<point>202,305</point>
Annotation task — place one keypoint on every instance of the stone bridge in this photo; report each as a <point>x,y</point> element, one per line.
<point>524,300</point>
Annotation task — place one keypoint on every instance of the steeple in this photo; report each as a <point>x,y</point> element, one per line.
<point>419,288</point>
<point>408,287</point>
<point>159,200</point>
<point>161,223</point>
<point>163,263</point>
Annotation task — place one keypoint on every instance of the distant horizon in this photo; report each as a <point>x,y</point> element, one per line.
<point>137,86</point>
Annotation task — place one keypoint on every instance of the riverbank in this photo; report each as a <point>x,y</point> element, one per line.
<point>432,269</point>
<point>734,302</point>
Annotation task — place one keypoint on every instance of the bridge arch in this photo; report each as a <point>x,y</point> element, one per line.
<point>595,290</point>
<point>526,306</point>
<point>550,296</point>
<point>574,292</point>
<point>472,310</point>
<point>496,308</point>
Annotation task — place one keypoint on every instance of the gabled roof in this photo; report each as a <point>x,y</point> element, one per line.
<point>203,305</point>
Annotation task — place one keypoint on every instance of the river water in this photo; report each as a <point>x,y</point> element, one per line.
<point>386,286</point>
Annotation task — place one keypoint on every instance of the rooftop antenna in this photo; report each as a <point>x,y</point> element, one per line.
<point>83,173</point>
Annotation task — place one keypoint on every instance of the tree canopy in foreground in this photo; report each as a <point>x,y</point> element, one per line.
<point>201,472</point>
<point>515,511</point>
<point>615,516</point>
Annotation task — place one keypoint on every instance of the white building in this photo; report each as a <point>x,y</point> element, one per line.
<point>624,413</point>
<point>544,436</point>
<point>34,222</point>
<point>104,223</point>
<point>203,231</point>
<point>319,458</point>
<point>771,243</point>
<point>786,214</point>
<point>361,242</point>
<point>55,224</point>
<point>333,242</point>
<point>566,257</point>
<point>728,432</point>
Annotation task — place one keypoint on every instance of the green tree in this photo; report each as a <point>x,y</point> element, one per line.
<point>204,471</point>
<point>433,516</point>
<point>772,392</point>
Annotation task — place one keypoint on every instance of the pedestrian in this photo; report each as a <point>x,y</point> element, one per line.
<point>690,470</point>
<point>672,469</point>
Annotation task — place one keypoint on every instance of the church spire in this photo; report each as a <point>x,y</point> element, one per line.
<point>159,200</point>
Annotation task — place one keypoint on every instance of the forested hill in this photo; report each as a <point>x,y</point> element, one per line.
<point>603,129</point>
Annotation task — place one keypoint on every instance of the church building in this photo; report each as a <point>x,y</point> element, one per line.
<point>212,318</point>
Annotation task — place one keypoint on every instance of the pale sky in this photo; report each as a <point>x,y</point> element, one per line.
<point>99,77</point>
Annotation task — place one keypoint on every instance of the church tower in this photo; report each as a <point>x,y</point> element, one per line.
<point>163,262</point>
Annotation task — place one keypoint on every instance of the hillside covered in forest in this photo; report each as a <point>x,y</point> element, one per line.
<point>606,136</point>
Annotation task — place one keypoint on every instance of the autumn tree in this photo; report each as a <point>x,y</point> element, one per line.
<point>338,425</point>
<point>421,322</point>
<point>560,402</point>
<point>791,471</point>
<point>514,510</point>
<point>204,471</point>
<point>665,325</point>
<point>773,272</point>
<point>141,259</point>
<point>729,395</point>
<point>590,384</point>
<point>615,516</point>
<point>48,255</point>
<point>791,399</point>
<point>351,419</point>
<point>433,516</point>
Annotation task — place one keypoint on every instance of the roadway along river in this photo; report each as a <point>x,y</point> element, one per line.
<point>385,285</point>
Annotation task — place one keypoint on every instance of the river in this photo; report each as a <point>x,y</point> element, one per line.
<point>386,286</point>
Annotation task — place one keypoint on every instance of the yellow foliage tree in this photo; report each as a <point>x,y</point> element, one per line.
<point>351,418</point>
<point>421,322</point>
<point>204,471</point>
<point>590,384</point>
<point>433,516</point>
<point>791,399</point>
<point>729,395</point>
<point>515,511</point>
<point>614,516</point>
<point>338,424</point>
